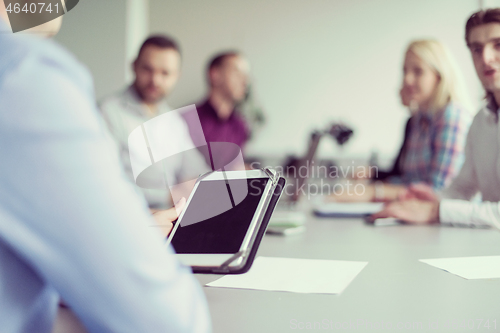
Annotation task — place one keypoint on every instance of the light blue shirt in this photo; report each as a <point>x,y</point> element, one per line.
<point>70,222</point>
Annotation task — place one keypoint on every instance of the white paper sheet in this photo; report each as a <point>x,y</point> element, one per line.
<point>386,222</point>
<point>348,208</point>
<point>312,276</point>
<point>487,267</point>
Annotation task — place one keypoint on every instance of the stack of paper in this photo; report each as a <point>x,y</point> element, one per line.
<point>284,218</point>
<point>348,209</point>
<point>295,275</point>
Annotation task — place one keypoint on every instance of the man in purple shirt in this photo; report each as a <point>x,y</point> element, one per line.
<point>227,76</point>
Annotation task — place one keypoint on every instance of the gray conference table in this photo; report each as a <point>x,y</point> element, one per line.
<point>393,288</point>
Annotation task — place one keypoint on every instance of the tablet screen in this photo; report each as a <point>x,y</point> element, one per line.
<point>223,233</point>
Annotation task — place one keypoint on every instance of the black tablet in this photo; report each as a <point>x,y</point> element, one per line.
<point>223,217</point>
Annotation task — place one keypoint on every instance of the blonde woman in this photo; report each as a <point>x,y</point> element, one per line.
<point>433,148</point>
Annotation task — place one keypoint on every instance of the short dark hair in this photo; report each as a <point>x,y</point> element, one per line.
<point>491,15</point>
<point>161,41</point>
<point>218,59</point>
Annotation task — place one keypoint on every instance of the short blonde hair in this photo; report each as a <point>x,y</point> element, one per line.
<point>451,86</point>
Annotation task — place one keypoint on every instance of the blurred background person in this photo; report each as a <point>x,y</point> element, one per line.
<point>433,148</point>
<point>456,204</point>
<point>156,70</point>
<point>227,76</point>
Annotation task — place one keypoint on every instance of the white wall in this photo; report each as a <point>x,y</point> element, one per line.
<point>95,32</point>
<point>137,31</point>
<point>316,60</point>
<point>105,35</point>
<point>313,61</point>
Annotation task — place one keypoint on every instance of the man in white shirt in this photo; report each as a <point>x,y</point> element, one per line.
<point>71,225</point>
<point>481,170</point>
<point>156,69</point>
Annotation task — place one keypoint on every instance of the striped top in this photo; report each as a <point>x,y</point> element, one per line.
<point>434,150</point>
